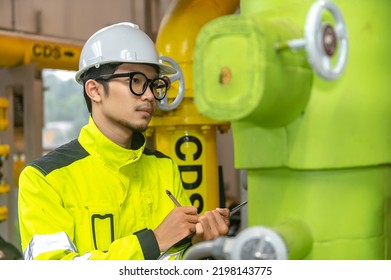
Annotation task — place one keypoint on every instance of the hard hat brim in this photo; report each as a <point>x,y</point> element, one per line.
<point>164,69</point>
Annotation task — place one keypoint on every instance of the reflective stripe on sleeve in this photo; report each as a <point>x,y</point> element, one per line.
<point>43,243</point>
<point>84,257</point>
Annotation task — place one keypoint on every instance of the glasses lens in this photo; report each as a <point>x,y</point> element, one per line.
<point>138,83</point>
<point>159,88</point>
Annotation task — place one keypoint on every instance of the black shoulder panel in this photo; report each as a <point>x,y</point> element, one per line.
<point>60,157</point>
<point>155,153</point>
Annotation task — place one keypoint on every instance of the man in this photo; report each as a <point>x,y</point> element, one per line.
<point>103,195</point>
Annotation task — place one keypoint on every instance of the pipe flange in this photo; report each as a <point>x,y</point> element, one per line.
<point>258,243</point>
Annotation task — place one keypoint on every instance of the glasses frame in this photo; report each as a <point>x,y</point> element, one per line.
<point>130,75</point>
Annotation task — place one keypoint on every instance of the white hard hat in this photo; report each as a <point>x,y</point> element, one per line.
<point>121,42</point>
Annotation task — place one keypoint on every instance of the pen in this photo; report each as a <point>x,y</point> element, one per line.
<point>173,198</point>
<point>233,211</point>
<point>237,208</point>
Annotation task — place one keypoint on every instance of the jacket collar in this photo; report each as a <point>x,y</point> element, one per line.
<point>98,145</point>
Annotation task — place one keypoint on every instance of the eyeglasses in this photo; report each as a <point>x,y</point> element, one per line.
<point>138,83</point>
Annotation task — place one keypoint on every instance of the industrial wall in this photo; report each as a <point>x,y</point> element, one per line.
<point>77,20</point>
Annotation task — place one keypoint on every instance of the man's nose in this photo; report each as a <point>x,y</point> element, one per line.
<point>148,94</point>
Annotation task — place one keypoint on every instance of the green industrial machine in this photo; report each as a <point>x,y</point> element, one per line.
<point>306,86</point>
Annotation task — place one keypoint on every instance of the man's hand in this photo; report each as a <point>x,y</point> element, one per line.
<point>211,225</point>
<point>179,223</point>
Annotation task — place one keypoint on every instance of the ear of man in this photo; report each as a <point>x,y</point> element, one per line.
<point>94,90</point>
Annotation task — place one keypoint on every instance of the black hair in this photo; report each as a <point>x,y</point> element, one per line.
<point>95,72</point>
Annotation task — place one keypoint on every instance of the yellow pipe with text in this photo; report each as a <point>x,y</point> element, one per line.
<point>18,49</point>
<point>183,133</point>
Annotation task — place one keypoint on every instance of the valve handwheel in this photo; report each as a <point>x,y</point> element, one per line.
<point>323,41</point>
<point>163,105</point>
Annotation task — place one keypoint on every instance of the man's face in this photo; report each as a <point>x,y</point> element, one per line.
<point>121,107</point>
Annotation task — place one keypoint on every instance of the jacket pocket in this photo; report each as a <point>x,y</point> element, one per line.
<point>103,224</point>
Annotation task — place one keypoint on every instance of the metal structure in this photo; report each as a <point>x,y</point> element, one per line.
<point>310,119</point>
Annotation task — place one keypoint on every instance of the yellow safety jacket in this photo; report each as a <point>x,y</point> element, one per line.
<point>93,199</point>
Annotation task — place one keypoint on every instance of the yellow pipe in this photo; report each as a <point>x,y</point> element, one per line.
<point>4,153</point>
<point>3,114</point>
<point>3,213</point>
<point>180,26</point>
<point>184,134</point>
<point>18,49</point>
<point>4,188</point>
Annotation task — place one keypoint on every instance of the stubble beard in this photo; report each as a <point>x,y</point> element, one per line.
<point>134,127</point>
<point>137,127</point>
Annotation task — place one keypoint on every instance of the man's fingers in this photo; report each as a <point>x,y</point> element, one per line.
<point>223,211</point>
<point>191,210</point>
<point>213,224</point>
<point>199,229</point>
